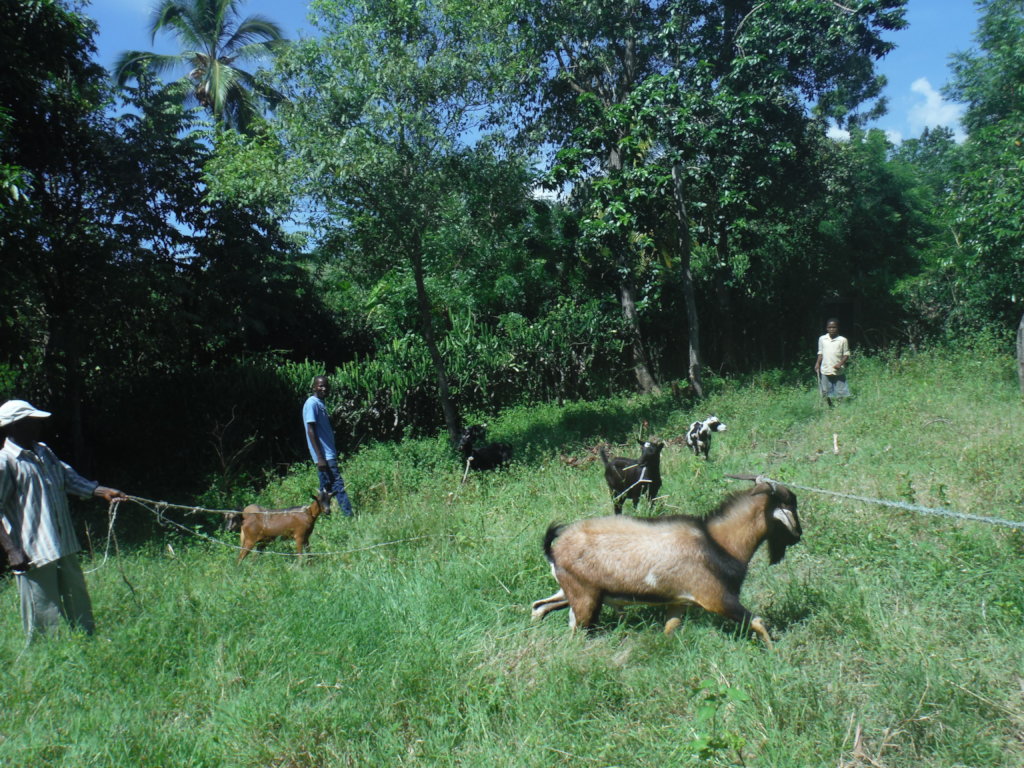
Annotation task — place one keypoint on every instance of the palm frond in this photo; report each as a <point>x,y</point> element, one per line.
<point>130,64</point>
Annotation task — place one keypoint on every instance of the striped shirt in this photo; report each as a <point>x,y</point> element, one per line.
<point>33,501</point>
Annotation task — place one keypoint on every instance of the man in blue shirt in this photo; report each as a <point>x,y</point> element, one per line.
<point>320,440</point>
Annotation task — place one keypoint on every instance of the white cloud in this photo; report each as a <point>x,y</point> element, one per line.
<point>834,132</point>
<point>933,110</point>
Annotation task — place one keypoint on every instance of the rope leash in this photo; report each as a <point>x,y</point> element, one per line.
<point>111,517</point>
<point>157,507</point>
<point>197,510</point>
<point>938,511</point>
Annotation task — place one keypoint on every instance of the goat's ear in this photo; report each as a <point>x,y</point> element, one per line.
<point>761,488</point>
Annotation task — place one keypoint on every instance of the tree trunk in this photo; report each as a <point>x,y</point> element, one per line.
<point>451,415</point>
<point>725,326</point>
<point>1020,354</point>
<point>644,379</point>
<point>689,295</point>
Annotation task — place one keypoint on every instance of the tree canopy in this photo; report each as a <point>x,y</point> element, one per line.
<point>462,206</point>
<point>216,39</point>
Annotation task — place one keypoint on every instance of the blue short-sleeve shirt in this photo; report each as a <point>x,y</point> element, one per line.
<point>315,412</point>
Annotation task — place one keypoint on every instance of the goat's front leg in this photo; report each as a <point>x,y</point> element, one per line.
<point>246,549</point>
<point>757,625</point>
<point>729,606</point>
<point>674,617</point>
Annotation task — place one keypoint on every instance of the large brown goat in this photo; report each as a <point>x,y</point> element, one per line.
<point>672,561</point>
<point>261,525</point>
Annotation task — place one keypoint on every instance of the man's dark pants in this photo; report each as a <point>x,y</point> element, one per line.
<point>331,480</point>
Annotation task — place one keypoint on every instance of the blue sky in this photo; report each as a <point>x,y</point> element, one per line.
<point>916,70</point>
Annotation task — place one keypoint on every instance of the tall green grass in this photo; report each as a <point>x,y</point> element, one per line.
<point>408,642</point>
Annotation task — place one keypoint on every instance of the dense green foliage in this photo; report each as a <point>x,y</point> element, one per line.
<point>166,277</point>
<point>408,640</point>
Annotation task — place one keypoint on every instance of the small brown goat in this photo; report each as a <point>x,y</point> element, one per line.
<point>261,525</point>
<point>672,561</point>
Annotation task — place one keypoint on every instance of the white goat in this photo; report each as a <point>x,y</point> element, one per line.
<point>698,436</point>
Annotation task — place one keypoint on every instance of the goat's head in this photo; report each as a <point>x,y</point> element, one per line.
<point>321,503</point>
<point>714,424</point>
<point>474,434</point>
<point>650,451</point>
<point>781,519</point>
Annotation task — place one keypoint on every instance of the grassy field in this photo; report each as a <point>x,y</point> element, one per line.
<point>407,641</point>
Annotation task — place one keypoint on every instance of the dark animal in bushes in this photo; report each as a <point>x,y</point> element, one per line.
<point>673,561</point>
<point>480,454</point>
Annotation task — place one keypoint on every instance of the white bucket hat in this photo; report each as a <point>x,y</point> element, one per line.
<point>16,410</point>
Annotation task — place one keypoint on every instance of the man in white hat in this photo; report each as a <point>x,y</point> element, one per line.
<point>34,512</point>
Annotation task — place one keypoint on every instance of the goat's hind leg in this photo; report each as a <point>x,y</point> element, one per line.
<point>541,608</point>
<point>584,605</point>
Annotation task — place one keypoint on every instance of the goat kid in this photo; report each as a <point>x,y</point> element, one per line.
<point>632,478</point>
<point>698,437</point>
<point>261,525</point>
<point>672,561</point>
<point>480,455</point>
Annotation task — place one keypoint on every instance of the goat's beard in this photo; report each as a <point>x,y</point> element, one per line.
<point>777,548</point>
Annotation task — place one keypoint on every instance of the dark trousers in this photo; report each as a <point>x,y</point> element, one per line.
<point>332,481</point>
<point>53,591</point>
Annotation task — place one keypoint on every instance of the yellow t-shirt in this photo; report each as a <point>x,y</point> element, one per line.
<point>832,352</point>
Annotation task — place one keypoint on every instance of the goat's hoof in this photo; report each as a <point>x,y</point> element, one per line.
<point>757,625</point>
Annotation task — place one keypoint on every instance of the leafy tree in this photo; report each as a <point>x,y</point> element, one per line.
<point>216,40</point>
<point>987,268</point>
<point>930,295</point>
<point>57,266</point>
<point>698,103</point>
<point>378,136</point>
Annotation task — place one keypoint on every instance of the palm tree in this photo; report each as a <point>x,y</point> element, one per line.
<point>215,38</point>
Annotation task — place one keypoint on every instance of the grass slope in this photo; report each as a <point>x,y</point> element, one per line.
<point>408,642</point>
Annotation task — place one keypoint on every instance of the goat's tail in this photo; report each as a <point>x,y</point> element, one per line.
<point>554,531</point>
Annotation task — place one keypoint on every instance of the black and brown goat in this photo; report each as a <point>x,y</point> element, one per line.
<point>672,561</point>
<point>633,478</point>
<point>261,525</point>
<point>698,436</point>
<point>481,455</point>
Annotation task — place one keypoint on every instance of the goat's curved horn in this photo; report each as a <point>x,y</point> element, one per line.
<point>752,478</point>
<point>785,517</point>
